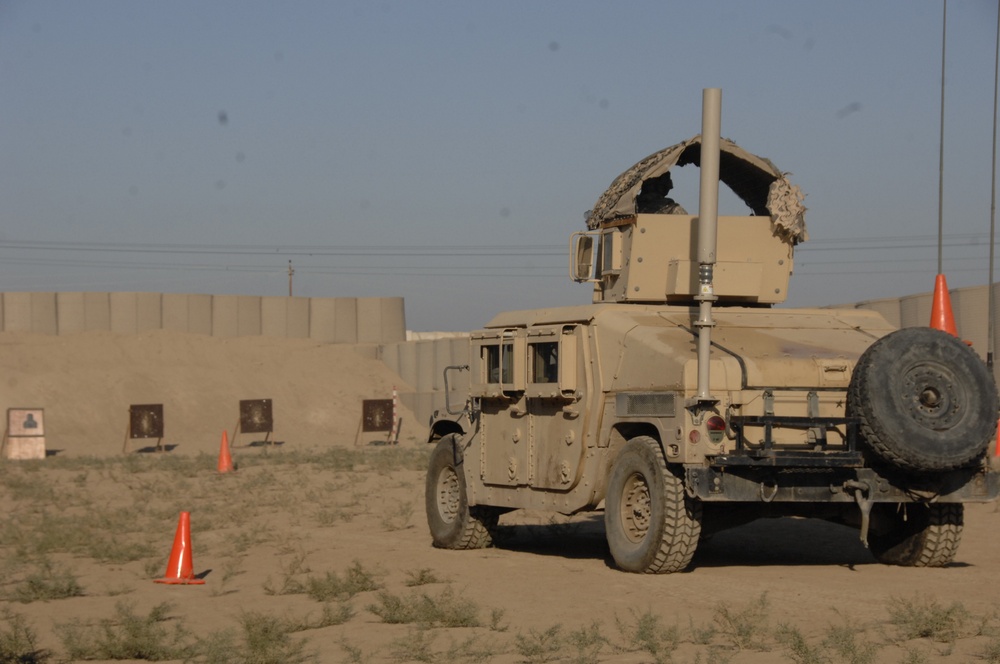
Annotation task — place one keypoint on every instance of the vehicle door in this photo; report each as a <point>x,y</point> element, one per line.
<point>555,392</point>
<point>498,383</point>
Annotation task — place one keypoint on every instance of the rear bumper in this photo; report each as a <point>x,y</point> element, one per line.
<point>838,485</point>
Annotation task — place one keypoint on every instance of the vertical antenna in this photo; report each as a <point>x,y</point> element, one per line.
<point>940,256</point>
<point>708,222</point>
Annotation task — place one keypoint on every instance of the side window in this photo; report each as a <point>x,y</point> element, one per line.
<point>544,362</point>
<point>499,365</point>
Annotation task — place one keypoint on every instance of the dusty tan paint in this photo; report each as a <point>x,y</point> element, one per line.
<point>628,362</point>
<point>524,457</point>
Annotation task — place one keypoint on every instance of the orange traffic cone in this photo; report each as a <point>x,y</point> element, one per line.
<point>941,315</point>
<point>225,460</point>
<point>180,568</point>
<point>996,452</point>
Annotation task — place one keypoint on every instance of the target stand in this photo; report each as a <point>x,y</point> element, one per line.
<point>378,415</point>
<point>144,421</point>
<point>255,417</point>
<point>24,436</point>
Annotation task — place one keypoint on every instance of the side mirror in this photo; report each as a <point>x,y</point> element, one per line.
<point>583,257</point>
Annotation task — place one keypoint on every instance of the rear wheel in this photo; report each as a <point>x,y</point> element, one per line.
<point>453,524</point>
<point>652,526</point>
<point>916,535</point>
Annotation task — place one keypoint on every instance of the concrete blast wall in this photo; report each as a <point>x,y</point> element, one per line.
<point>970,307</point>
<point>421,364</point>
<point>334,320</point>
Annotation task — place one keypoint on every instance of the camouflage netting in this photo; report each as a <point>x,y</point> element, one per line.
<point>765,189</point>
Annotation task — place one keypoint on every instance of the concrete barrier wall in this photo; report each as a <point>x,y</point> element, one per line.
<point>43,313</point>
<point>969,306</point>
<point>379,321</point>
<point>345,322</point>
<point>17,312</point>
<point>284,317</point>
<point>334,320</point>
<point>70,314</point>
<point>420,364</point>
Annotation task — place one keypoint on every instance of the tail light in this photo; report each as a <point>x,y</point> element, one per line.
<point>716,428</point>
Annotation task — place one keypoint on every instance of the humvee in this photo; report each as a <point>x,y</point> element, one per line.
<point>682,402</point>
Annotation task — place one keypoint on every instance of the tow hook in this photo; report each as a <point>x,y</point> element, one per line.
<point>863,496</point>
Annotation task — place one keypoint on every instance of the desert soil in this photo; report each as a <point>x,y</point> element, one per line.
<point>317,504</point>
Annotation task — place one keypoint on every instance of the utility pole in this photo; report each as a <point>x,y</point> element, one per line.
<point>991,307</point>
<point>290,273</point>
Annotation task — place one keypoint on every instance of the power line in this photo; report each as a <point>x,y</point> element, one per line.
<point>436,250</point>
<point>487,261</point>
<point>286,250</point>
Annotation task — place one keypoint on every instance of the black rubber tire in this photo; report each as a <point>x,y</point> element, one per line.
<point>652,526</point>
<point>453,524</point>
<point>926,401</point>
<point>916,535</point>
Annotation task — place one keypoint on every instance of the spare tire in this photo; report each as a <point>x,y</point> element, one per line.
<point>926,401</point>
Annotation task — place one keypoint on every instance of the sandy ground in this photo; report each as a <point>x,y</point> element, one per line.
<point>302,510</point>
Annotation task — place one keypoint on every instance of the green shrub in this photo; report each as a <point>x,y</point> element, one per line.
<point>290,585</point>
<point>445,610</point>
<point>421,577</point>
<point>48,583</point>
<point>991,651</point>
<point>701,634</point>
<point>914,656</point>
<point>845,640</point>
<point>539,647</point>
<point>126,636</point>
<point>496,620</point>
<point>115,551</point>
<point>267,640</point>
<point>416,646</point>
<point>798,648</point>
<point>921,618</point>
<point>331,614</point>
<point>645,633</point>
<point>354,653</point>
<point>330,586</point>
<point>588,642</point>
<point>19,642</point>
<point>746,629</point>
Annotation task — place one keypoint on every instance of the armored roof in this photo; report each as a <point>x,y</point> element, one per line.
<point>759,183</point>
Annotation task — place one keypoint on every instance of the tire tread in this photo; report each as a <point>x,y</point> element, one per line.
<point>476,524</point>
<point>882,437</point>
<point>679,529</point>
<point>932,542</point>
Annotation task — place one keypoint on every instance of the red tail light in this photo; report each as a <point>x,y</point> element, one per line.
<point>716,428</point>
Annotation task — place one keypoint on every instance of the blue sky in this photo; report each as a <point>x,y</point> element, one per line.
<point>445,151</point>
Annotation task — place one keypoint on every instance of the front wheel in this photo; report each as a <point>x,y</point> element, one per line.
<point>652,526</point>
<point>916,535</point>
<point>453,524</point>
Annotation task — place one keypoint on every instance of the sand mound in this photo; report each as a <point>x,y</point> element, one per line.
<point>86,382</point>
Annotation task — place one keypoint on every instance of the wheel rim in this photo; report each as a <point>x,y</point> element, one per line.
<point>635,508</point>
<point>934,395</point>
<point>448,495</point>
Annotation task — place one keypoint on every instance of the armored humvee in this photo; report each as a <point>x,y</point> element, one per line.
<point>683,403</point>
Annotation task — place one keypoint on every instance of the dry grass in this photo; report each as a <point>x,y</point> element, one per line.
<point>58,521</point>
